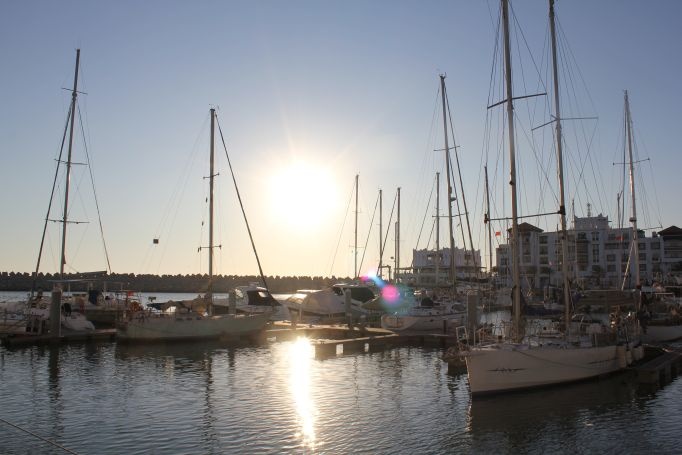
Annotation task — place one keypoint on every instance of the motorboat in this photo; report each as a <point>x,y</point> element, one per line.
<point>330,302</point>
<point>253,299</point>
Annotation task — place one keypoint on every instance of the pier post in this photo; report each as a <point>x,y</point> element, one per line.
<point>232,301</point>
<point>55,313</point>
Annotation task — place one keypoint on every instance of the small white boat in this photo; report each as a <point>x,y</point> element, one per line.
<point>19,318</point>
<point>253,299</point>
<point>330,302</point>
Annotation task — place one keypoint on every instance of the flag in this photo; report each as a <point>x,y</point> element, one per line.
<point>498,233</point>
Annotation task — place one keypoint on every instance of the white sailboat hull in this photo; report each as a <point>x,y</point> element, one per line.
<point>162,328</point>
<point>500,368</point>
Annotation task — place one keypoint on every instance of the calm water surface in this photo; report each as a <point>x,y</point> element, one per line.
<point>211,398</point>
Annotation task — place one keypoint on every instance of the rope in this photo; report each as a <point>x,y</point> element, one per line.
<point>343,225</point>
<point>37,436</point>
<point>49,207</point>
<point>241,205</point>
<point>92,181</point>
<point>371,223</point>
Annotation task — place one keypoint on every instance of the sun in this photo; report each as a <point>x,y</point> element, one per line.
<point>303,195</point>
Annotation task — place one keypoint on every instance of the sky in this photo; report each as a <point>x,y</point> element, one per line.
<point>309,94</point>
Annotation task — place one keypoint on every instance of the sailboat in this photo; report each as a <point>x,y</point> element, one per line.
<point>196,321</point>
<point>31,317</point>
<point>661,319</point>
<point>430,312</point>
<point>523,361</point>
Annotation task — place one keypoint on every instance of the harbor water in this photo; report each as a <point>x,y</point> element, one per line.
<point>276,397</point>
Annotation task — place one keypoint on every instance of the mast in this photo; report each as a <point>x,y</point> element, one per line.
<point>355,248</point>
<point>437,227</point>
<point>633,219</point>
<point>560,171</point>
<point>397,241</point>
<point>453,277</point>
<point>74,95</point>
<point>488,222</point>
<point>381,229</point>
<point>516,273</point>
<point>210,227</point>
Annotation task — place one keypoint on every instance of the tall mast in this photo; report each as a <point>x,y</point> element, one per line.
<point>633,219</point>
<point>210,208</point>
<point>381,229</point>
<point>437,227</point>
<point>397,240</point>
<point>74,94</point>
<point>453,277</point>
<point>516,273</point>
<point>488,222</point>
<point>560,171</point>
<point>355,247</point>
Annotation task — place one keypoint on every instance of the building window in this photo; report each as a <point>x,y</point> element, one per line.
<point>642,267</point>
<point>595,236</point>
<point>641,245</point>
<point>655,246</point>
<point>543,240</point>
<point>610,258</point>
<point>611,268</point>
<point>543,250</point>
<point>642,257</point>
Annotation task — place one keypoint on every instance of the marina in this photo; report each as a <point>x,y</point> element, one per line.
<point>205,279</point>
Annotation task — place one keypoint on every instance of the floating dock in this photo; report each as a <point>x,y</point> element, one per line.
<point>662,366</point>
<point>65,337</point>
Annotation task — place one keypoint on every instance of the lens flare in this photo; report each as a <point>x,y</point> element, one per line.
<point>371,275</point>
<point>390,293</point>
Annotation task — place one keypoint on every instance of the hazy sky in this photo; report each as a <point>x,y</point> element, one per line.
<point>309,93</point>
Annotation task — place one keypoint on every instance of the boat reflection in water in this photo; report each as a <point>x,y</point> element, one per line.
<point>555,414</point>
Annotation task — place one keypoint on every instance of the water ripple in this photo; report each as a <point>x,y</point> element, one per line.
<point>277,398</point>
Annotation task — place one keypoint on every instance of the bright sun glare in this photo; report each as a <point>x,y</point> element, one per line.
<point>302,195</point>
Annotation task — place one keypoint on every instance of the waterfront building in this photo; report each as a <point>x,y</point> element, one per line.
<point>431,267</point>
<point>598,255</point>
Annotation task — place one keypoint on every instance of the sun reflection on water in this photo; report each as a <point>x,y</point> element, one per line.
<point>300,358</point>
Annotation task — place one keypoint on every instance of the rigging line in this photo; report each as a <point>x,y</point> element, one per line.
<point>390,219</point>
<point>343,225</point>
<point>94,192</point>
<point>658,205</point>
<point>49,206</point>
<point>461,184</point>
<point>38,436</point>
<point>371,223</point>
<point>567,56</point>
<point>241,205</point>
<point>416,200</point>
<point>172,209</point>
<point>426,212</point>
